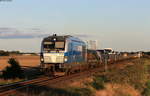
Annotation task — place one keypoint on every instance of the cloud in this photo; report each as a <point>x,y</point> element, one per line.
<point>13,33</point>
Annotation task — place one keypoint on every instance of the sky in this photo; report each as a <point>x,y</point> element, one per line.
<point>119,24</point>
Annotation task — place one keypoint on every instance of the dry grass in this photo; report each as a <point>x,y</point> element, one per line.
<point>82,83</point>
<point>118,90</point>
<point>31,61</point>
<point>2,81</point>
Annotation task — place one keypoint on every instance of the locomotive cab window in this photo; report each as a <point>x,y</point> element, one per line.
<point>59,45</point>
<point>49,45</point>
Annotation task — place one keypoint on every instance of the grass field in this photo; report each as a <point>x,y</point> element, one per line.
<point>120,81</point>
<point>31,61</point>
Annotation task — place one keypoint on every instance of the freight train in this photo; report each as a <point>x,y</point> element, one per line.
<point>68,54</point>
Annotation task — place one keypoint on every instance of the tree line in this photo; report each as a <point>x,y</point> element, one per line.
<point>8,53</point>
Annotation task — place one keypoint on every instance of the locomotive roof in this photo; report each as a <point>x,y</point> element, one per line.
<point>49,38</point>
<point>61,38</point>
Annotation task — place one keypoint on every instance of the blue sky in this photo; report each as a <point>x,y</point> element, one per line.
<point>120,24</point>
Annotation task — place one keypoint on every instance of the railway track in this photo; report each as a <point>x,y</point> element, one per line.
<point>11,87</point>
<point>52,81</point>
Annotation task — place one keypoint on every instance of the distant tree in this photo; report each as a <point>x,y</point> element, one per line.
<point>4,53</point>
<point>148,53</point>
<point>14,52</point>
<point>7,53</point>
<point>13,71</point>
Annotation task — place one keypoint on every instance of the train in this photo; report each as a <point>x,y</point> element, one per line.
<point>63,55</point>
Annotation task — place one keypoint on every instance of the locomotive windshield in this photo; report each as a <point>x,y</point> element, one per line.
<point>50,46</point>
<point>59,45</point>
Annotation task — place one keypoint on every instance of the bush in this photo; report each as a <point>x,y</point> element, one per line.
<point>81,91</point>
<point>13,71</point>
<point>98,82</point>
<point>146,91</point>
<point>71,91</point>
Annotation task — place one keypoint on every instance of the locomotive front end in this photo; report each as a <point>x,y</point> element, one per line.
<point>52,53</point>
<point>53,58</point>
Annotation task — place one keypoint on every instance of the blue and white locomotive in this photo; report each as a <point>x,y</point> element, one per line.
<point>61,54</point>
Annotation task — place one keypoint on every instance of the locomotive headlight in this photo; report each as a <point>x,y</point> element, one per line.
<point>54,39</point>
<point>42,59</point>
<point>65,58</point>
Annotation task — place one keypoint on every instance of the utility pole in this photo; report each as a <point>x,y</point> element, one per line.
<point>106,62</point>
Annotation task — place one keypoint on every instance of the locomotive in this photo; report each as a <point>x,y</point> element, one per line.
<point>62,55</point>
